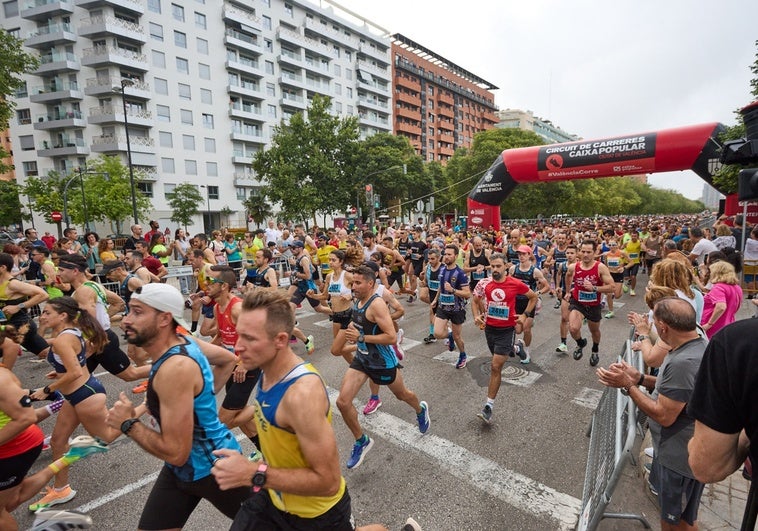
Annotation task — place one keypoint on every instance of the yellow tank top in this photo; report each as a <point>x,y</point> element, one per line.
<point>282,450</point>
<point>633,250</point>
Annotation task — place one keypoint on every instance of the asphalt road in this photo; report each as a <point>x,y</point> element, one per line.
<point>525,471</point>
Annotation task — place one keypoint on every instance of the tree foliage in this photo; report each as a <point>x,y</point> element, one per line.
<point>308,167</point>
<point>13,63</point>
<point>185,203</point>
<point>10,203</point>
<point>258,208</point>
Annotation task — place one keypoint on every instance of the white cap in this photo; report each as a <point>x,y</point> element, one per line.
<point>164,298</point>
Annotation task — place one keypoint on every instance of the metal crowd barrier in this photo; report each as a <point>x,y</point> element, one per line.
<point>612,433</point>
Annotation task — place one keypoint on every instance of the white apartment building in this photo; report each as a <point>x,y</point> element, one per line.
<point>204,83</point>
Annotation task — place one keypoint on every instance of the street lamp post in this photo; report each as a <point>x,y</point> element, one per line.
<point>370,191</point>
<point>126,82</point>
<point>208,206</point>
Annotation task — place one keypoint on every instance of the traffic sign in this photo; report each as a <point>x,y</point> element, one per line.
<point>56,216</point>
<point>353,210</point>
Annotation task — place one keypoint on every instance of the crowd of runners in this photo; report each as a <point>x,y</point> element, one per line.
<point>242,299</point>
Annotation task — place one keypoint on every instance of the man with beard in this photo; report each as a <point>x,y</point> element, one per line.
<point>451,304</point>
<point>494,310</point>
<point>182,425</point>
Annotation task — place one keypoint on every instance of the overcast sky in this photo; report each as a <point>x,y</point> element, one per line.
<point>594,68</point>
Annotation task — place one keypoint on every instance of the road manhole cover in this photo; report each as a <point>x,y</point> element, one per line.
<point>512,372</point>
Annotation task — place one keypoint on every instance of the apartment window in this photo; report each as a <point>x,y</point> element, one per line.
<point>166,139</point>
<point>163,112</point>
<point>338,89</point>
<point>267,3</point>
<point>26,143</point>
<point>268,44</point>
<point>185,92</point>
<point>180,39</point>
<point>240,191</point>
<point>177,12</point>
<point>348,55</point>
<point>337,70</point>
<point>24,116</point>
<point>145,189</point>
<point>210,145</point>
<point>336,51</point>
<point>272,111</point>
<point>349,73</point>
<point>208,121</point>
<point>211,169</point>
<point>156,32</point>
<point>154,6</point>
<point>182,65</point>
<point>349,92</point>
<point>269,67</point>
<point>266,22</point>
<point>186,116</point>
<point>202,46</point>
<point>338,107</point>
<point>15,32</point>
<point>270,89</point>
<point>161,85</point>
<point>190,167</point>
<point>213,192</point>
<point>188,142</point>
<point>30,169</point>
<point>159,59</point>
<point>206,96</point>
<point>167,166</point>
<point>200,21</point>
<point>204,71</point>
<point>10,9</point>
<point>350,110</point>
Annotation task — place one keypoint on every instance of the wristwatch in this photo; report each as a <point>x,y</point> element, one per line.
<point>127,425</point>
<point>361,337</point>
<point>47,390</point>
<point>259,478</point>
<point>642,338</point>
<point>624,390</point>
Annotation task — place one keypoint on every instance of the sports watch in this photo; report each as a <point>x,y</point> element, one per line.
<point>259,478</point>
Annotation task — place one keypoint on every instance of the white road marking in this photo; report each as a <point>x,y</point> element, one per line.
<point>588,398</point>
<point>451,358</point>
<point>486,475</point>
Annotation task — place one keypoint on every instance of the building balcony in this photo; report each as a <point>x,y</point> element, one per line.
<point>295,102</point>
<point>113,55</point>
<point>312,65</point>
<point>253,136</point>
<point>242,159</point>
<point>319,86</point>
<point>45,9</point>
<point>109,114</point>
<point>375,87</point>
<point>380,121</point>
<point>242,41</point>
<point>296,38</point>
<point>246,90</point>
<point>114,143</point>
<point>61,120</point>
<point>103,26</point>
<point>58,62</point>
<point>244,65</point>
<point>375,53</point>
<point>55,92</point>
<point>292,80</point>
<point>373,104</point>
<point>446,150</point>
<point>415,86</point>
<point>51,35</point>
<point>146,174</point>
<point>383,73</point>
<point>245,179</point>
<point>246,112</point>
<point>410,99</point>
<point>324,30</point>
<point>133,6</point>
<point>291,58</point>
<point>445,137</point>
<point>233,14</point>
<point>63,148</point>
<point>102,86</point>
<point>408,113</point>
<point>409,129</point>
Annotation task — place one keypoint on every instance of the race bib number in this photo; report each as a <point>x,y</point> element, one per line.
<point>587,296</point>
<point>334,289</point>
<point>613,262</point>
<point>633,256</point>
<point>325,267</point>
<point>403,252</point>
<point>415,256</point>
<point>652,253</point>
<point>434,285</point>
<point>447,299</point>
<point>476,275</point>
<point>498,310</point>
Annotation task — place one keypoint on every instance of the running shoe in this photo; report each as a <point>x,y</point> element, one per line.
<point>47,519</point>
<point>561,348</point>
<point>486,413</point>
<point>609,315</point>
<point>461,362</point>
<point>46,442</point>
<point>649,452</point>
<point>557,304</point>
<point>53,497</point>
<point>430,339</point>
<point>594,359</point>
<point>400,336</point>
<point>578,351</point>
<point>359,452</point>
<point>141,388</point>
<point>632,293</point>
<point>84,445</point>
<point>423,418</point>
<point>626,288</point>
<point>310,345</point>
<point>521,351</point>
<point>411,525</point>
<point>412,298</point>
<point>372,405</point>
<point>450,342</point>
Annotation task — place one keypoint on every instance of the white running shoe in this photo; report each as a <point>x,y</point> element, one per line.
<point>400,336</point>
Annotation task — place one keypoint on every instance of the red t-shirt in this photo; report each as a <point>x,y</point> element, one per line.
<point>226,327</point>
<point>152,264</point>
<point>588,298</point>
<point>500,300</point>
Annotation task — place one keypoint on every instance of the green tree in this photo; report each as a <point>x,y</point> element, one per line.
<point>185,203</point>
<point>45,194</point>
<point>725,179</point>
<point>14,62</point>
<point>10,204</point>
<point>308,167</point>
<point>258,208</point>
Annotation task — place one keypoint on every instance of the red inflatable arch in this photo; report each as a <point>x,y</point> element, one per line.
<point>685,148</point>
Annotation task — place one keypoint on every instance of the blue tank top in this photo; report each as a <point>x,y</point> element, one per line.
<point>372,356</point>
<point>55,360</point>
<point>208,433</point>
<point>527,277</point>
